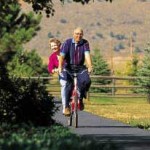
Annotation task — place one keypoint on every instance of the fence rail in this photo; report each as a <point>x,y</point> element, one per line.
<point>116,86</point>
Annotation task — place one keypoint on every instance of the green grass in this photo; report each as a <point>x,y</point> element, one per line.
<point>135,111</point>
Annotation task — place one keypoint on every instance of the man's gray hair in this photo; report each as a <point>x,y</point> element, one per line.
<point>78,29</point>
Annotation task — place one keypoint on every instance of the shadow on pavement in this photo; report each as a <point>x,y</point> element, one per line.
<point>108,131</point>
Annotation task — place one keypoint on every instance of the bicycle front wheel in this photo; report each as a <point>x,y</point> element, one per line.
<point>75,113</point>
<point>75,119</point>
<point>69,121</point>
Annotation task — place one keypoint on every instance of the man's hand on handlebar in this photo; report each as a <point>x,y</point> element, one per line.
<point>57,70</point>
<point>60,70</point>
<point>90,69</point>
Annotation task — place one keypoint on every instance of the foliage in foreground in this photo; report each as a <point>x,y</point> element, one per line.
<point>25,100</point>
<point>54,138</point>
<point>21,100</point>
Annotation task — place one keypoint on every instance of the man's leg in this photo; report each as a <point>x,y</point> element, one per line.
<point>68,92</point>
<point>84,83</point>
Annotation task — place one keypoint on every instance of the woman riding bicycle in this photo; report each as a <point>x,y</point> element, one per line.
<point>73,53</point>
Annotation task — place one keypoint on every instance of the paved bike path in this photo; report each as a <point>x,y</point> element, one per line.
<point>103,130</point>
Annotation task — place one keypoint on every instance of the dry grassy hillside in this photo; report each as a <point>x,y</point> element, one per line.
<point>109,27</point>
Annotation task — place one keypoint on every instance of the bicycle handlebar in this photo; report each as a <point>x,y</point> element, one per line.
<point>74,72</point>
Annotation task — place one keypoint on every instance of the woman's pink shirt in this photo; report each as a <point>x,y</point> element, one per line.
<point>53,61</point>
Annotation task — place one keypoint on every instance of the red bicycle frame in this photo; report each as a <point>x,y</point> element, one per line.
<point>74,103</point>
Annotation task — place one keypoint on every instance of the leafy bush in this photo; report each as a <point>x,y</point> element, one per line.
<point>137,50</point>
<point>50,35</point>
<point>100,35</point>
<point>55,138</point>
<point>63,21</point>
<point>25,100</point>
<point>142,0</point>
<point>118,36</point>
<point>119,47</point>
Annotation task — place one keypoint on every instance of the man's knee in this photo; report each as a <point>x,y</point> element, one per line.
<point>85,81</point>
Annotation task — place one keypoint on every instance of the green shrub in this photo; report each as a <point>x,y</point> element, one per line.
<point>54,138</point>
<point>25,100</point>
<point>100,68</point>
<point>26,64</point>
<point>144,72</point>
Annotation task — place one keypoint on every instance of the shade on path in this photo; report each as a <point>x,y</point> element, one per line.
<point>104,130</point>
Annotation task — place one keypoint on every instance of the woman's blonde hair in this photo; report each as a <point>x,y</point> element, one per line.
<point>55,41</point>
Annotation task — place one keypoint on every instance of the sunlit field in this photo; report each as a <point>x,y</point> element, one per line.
<point>135,111</point>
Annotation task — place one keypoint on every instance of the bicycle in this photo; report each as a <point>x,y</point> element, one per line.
<point>74,103</point>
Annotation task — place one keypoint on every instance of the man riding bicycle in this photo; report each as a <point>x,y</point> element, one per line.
<point>73,53</point>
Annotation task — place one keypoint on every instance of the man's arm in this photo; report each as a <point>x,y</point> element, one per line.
<point>88,61</point>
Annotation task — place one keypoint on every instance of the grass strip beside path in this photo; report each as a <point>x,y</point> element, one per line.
<point>135,111</point>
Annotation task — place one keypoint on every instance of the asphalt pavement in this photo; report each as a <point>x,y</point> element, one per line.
<point>106,130</point>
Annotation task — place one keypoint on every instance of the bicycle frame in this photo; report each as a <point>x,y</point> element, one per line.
<point>73,118</point>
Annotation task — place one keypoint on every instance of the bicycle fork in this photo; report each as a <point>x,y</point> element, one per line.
<point>74,102</point>
<point>74,105</point>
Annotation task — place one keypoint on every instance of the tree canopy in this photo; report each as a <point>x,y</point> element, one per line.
<point>21,100</point>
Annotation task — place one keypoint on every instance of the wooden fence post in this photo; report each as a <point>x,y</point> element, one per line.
<point>88,96</point>
<point>113,86</point>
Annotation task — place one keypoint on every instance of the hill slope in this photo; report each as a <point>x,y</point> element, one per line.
<point>108,26</point>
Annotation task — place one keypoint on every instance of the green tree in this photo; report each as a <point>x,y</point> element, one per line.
<point>16,29</point>
<point>100,65</point>
<point>27,64</point>
<point>131,70</point>
<point>144,73</point>
<point>100,68</point>
<point>21,100</point>
<point>132,66</point>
